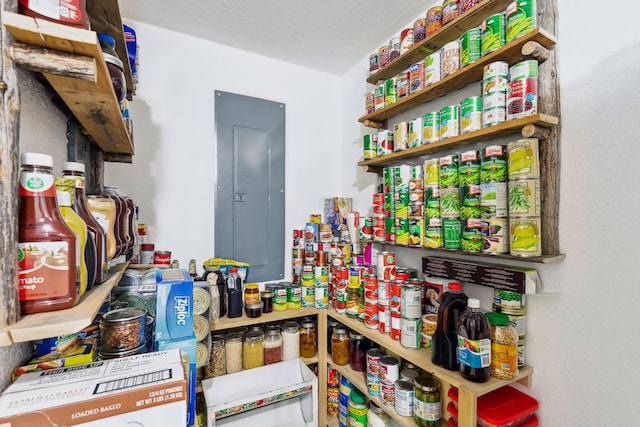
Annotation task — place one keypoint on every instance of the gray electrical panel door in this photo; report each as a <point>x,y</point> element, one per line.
<point>250,192</point>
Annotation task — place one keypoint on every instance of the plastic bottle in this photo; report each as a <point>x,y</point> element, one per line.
<point>234,293</point>
<point>444,342</point>
<point>46,244</point>
<point>78,226</point>
<point>474,343</point>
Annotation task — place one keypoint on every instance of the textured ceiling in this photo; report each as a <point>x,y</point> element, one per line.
<point>326,35</point>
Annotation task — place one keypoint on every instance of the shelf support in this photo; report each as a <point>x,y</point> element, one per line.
<point>533,131</point>
<point>373,124</point>
<point>43,60</point>
<point>535,51</point>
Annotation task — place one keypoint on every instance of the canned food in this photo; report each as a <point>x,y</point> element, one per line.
<point>471,114</point>
<point>521,18</point>
<point>385,142</point>
<point>403,84</point>
<point>378,228</point>
<point>495,69</point>
<point>419,30</point>
<point>450,10</point>
<point>378,204</point>
<point>429,323</point>
<point>493,85</point>
<point>294,297</point>
<point>470,203</point>
<point>451,233</point>
<point>406,40</point>
<point>387,394</point>
<point>431,127</point>
<point>386,265</point>
<point>494,100</point>
<point>401,205</point>
<point>448,171</point>
<point>432,68</point>
<point>434,19</point>
<point>390,91</point>
<point>522,159</point>
<point>522,98</point>
<point>469,47</point>
<point>321,296</point>
<point>371,314</point>
<point>450,58</point>
<point>416,209</point>
<point>389,370</point>
<point>370,102</point>
<point>508,299</point>
<point>432,172</point>
<point>524,197</point>
<point>415,230</point>
<point>395,331</point>
<point>416,77</point>
<point>400,136</point>
<point>404,398</point>
<point>390,229</point>
<point>410,334</point>
<point>450,121</point>
<point>526,240</point>
<point>378,97</point>
<point>517,318</point>
<point>494,116</point>
<point>162,257</point>
<point>123,329</point>
<point>492,33</point>
<point>374,63</point>
<point>384,289</point>
<point>370,145</point>
<point>450,202</point>
<point>471,235</point>
<point>383,55</point>
<point>411,301</point>
<point>415,132</point>
<point>493,164</point>
<point>493,199</point>
<point>469,167</point>
<point>394,48</point>
<point>340,303</point>
<point>308,296</point>
<point>280,302</point>
<point>321,275</point>
<point>433,233</point>
<point>495,237</point>
<point>384,319</point>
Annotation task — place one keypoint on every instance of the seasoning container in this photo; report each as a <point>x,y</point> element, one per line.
<point>233,352</point>
<point>216,366</point>
<point>357,409</point>
<point>308,338</point>
<point>123,329</point>
<point>359,347</point>
<point>504,347</point>
<point>253,310</point>
<point>290,340</point>
<point>340,346</point>
<point>272,346</point>
<point>253,350</point>
<point>427,403</point>
<point>267,301</point>
<point>251,294</point>
<point>114,65</point>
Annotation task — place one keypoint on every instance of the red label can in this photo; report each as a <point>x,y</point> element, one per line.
<point>340,277</point>
<point>378,228</point>
<point>340,301</point>
<point>378,204</point>
<point>386,264</point>
<point>371,289</point>
<point>395,295</point>
<point>384,320</point>
<point>396,325</point>
<point>371,314</point>
<point>162,257</point>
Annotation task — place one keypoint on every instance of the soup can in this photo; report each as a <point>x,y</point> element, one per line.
<point>374,63</point>
<point>384,319</point>
<point>378,97</point>
<point>495,235</point>
<point>162,257</point>
<point>403,398</point>
<point>450,58</point>
<point>389,370</point>
<point>386,265</point>
<point>371,314</point>
<point>406,40</point>
<point>394,48</point>
<point>387,394</point>
<point>383,55</point>
<point>419,30</point>
<point>432,68</point>
<point>403,84</point>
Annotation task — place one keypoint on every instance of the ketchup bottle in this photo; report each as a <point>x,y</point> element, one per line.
<point>46,245</point>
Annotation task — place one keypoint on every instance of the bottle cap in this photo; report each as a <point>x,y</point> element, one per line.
<point>498,319</point>
<point>73,167</point>
<point>357,397</point>
<point>233,270</point>
<point>106,38</point>
<point>36,159</point>
<point>473,303</point>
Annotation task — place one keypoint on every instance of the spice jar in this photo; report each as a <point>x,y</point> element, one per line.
<point>253,350</point>
<point>308,338</point>
<point>251,294</point>
<point>233,352</point>
<point>504,347</point>
<point>290,340</point>
<point>123,329</point>
<point>272,346</point>
<point>427,404</point>
<point>340,346</point>
<point>267,301</point>
<point>358,354</point>
<point>216,366</point>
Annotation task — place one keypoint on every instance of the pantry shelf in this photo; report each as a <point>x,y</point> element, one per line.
<point>454,29</point>
<point>62,322</point>
<point>511,53</point>
<point>93,101</point>
<point>275,316</point>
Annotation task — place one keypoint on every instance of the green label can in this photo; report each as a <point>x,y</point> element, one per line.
<point>432,68</point>
<point>471,114</point>
<point>401,136</point>
<point>390,91</point>
<point>390,229</point>
<point>469,167</point>
<point>308,296</point>
<point>494,201</point>
<point>402,231</point>
<point>526,240</point>
<point>432,201</point>
<point>415,231</point>
<point>432,233</point>
<point>492,33</point>
<point>493,164</point>
<point>451,233</point>
<point>471,235</point>
<point>378,97</point>
<point>402,204</point>
<point>389,204</point>
<point>470,205</point>
<point>415,132</point>
<point>523,159</point>
<point>432,172</point>
<point>385,142</point>
<point>521,18</point>
<point>450,202</point>
<point>370,146</point>
<point>431,127</point>
<point>450,121</point>
<point>294,297</point>
<point>470,46</point>
<point>524,70</point>
<point>449,171</point>
<point>524,197</point>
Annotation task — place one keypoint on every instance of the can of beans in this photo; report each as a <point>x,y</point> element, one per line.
<point>406,40</point>
<point>450,58</point>
<point>383,55</point>
<point>384,319</point>
<point>508,299</point>
<point>432,172</point>
<point>470,203</point>
<point>465,5</point>
<point>374,63</point>
<point>434,19</point>
<point>403,84</point>
<point>387,394</point>
<point>385,142</point>
<point>432,233</point>
<point>416,77</point>
<point>495,69</point>
<point>386,265</point>
<point>450,10</point>
<point>521,18</point>
<point>471,235</point>
<point>524,197</point>
<point>404,397</point>
<point>432,202</point>
<point>431,127</point>
<point>449,171</point>
<point>469,167</point>
<point>471,114</point>
<point>394,48</point>
<point>419,30</point>
<point>522,95</point>
<point>492,33</point>
<point>451,233</point>
<point>495,235</point>
<point>523,159</point>
<point>432,68</point>
<point>493,199</point>
<point>469,47</point>
<point>450,121</point>
<point>526,239</point>
<point>450,202</point>
<point>493,163</point>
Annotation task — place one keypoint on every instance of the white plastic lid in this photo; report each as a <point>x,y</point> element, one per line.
<point>36,159</point>
<point>64,198</point>
<point>73,166</point>
<point>473,303</point>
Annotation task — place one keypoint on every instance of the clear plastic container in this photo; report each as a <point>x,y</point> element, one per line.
<point>290,340</point>
<point>233,352</point>
<point>253,350</point>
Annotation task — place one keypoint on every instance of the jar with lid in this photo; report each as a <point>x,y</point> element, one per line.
<point>376,417</point>
<point>253,310</point>
<point>253,350</point>
<point>272,346</point>
<point>358,354</point>
<point>123,329</point>
<point>340,349</point>
<point>216,366</point>
<point>308,338</point>
<point>331,323</point>
<point>44,240</point>
<point>114,65</point>
<point>266,297</point>
<point>251,294</point>
<point>290,340</point>
<point>233,352</point>
<point>427,409</point>
<point>504,347</point>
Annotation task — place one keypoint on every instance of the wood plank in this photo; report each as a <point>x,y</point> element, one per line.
<point>472,73</point>
<point>448,32</point>
<point>275,316</point>
<point>322,366</point>
<point>62,322</point>
<point>44,60</point>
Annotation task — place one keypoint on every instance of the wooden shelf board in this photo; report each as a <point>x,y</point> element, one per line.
<point>276,316</point>
<point>472,73</point>
<point>358,380</point>
<point>332,422</point>
<point>62,322</point>
<point>484,134</point>
<point>309,360</point>
<point>450,31</point>
<point>422,359</point>
<point>93,103</point>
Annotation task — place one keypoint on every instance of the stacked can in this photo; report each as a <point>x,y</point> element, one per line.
<point>419,30</point>
<point>390,91</point>
<point>403,175</point>
<point>402,84</point>
<point>370,146</point>
<point>385,142</point>
<point>513,305</point>
<point>374,63</point>
<point>394,47</point>
<point>450,201</point>
<point>389,374</point>
<point>373,370</point>
<point>340,280</point>
<point>470,203</point>
<point>378,97</point>
<point>431,127</point>
<point>416,206</point>
<point>450,121</point>
<point>308,282</point>
<point>522,96</point>
<point>492,33</point>
<point>432,236</point>
<point>297,255</point>
<point>345,388</point>
<point>389,185</point>
<point>470,114</point>
<point>494,93</point>
<point>400,136</point>
<point>333,392</point>
<point>386,274</point>
<point>493,189</point>
<point>524,197</point>
<point>432,68</point>
<point>411,295</point>
<point>394,289</point>
<point>357,274</point>
<point>378,217</point>
<point>415,132</point>
<point>321,276</point>
<point>370,103</point>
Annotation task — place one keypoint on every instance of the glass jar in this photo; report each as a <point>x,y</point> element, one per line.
<point>217,362</point>
<point>123,329</point>
<point>251,294</point>
<point>253,310</point>
<point>114,65</point>
<point>340,351</point>
<point>308,338</point>
<point>427,404</point>
<point>233,352</point>
<point>376,417</point>
<point>331,323</point>
<point>290,340</point>
<point>358,353</point>
<point>267,301</point>
<point>272,346</point>
<point>253,350</point>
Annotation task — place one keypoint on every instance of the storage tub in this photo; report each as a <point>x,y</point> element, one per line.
<point>504,407</point>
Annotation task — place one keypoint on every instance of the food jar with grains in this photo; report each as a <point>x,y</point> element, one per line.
<point>308,338</point>
<point>340,348</point>
<point>253,350</point>
<point>216,366</point>
<point>123,329</point>
<point>233,352</point>
<point>290,340</point>
<point>272,346</point>
<point>504,347</point>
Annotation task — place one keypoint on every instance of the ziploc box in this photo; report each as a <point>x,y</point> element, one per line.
<point>188,348</point>
<point>174,304</point>
<point>142,390</point>
<point>335,212</point>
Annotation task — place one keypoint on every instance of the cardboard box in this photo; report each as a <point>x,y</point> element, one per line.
<point>78,354</point>
<point>335,212</point>
<point>145,390</point>
<point>174,304</point>
<point>187,347</point>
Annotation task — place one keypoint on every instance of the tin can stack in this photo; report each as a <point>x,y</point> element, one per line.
<point>470,202</point>
<point>493,187</point>
<point>494,93</point>
<point>432,235</point>
<point>416,207</point>
<point>450,201</point>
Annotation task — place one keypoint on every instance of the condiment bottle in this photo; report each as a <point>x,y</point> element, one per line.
<point>444,342</point>
<point>46,244</point>
<point>78,226</point>
<point>474,343</point>
<point>122,218</point>
<point>76,171</point>
<point>290,340</point>
<point>114,65</point>
<point>340,346</point>
<point>69,12</point>
<point>234,293</point>
<point>103,210</point>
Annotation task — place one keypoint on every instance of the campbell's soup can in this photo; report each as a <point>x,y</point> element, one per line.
<point>384,319</point>
<point>433,233</point>
<point>495,235</point>
<point>386,265</point>
<point>371,314</point>
<point>387,394</point>
<point>162,257</point>
<point>389,370</point>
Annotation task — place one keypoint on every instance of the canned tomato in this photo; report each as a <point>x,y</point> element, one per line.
<point>415,231</point>
<point>492,33</point>
<point>374,63</point>
<point>385,142</point>
<point>493,199</point>
<point>410,334</point>
<point>340,277</point>
<point>406,40</point>
<point>471,114</point>
<point>419,30</point>
<point>394,48</point>
<point>384,319</point>
<point>383,55</point>
<point>450,58</point>
<point>471,235</point>
<point>432,172</point>
<point>522,159</point>
<point>400,136</point>
<point>416,77</point>
<point>469,167</point>
<point>434,19</point>
<point>450,202</point>
<point>450,121</point>
<point>526,240</point>
<point>378,97</point>
<point>521,18</point>
<point>495,235</point>
<point>401,205</point>
<point>378,204</point>
<point>451,233</point>
<point>402,84</point>
<point>390,91</point>
<point>378,228</point>
<point>433,233</point>
<point>371,314</point>
<point>395,332</point>
<point>390,229</point>
<point>431,127</point>
<point>386,265</point>
<point>493,163</point>
<point>384,289</point>
<point>411,301</point>
<point>415,132</point>
<point>432,68</point>
<point>524,197</point>
<point>432,202</point>
<point>450,10</point>
<point>470,204</point>
<point>469,47</point>
<point>370,145</point>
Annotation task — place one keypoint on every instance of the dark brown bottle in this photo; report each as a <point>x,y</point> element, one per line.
<point>121,240</point>
<point>444,342</point>
<point>76,171</point>
<point>474,343</point>
<point>46,245</point>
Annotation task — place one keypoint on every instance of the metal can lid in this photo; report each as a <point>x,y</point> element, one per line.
<point>404,385</point>
<point>426,383</point>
